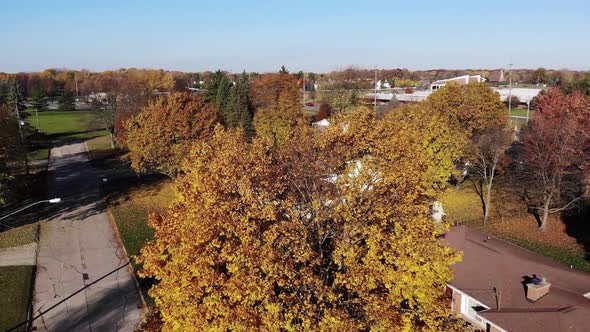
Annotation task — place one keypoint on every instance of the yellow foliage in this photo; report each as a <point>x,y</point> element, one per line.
<point>275,124</point>
<point>474,107</point>
<point>327,231</point>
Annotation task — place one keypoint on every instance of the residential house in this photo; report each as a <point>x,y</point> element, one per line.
<point>502,287</point>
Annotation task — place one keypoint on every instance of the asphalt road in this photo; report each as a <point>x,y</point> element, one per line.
<point>77,249</point>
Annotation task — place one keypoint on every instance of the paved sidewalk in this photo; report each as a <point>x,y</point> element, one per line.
<point>21,255</point>
<point>77,247</point>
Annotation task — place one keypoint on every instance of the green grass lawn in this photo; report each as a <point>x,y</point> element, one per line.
<point>520,112</point>
<point>19,236</point>
<point>15,282</point>
<point>131,220</point>
<point>57,125</point>
<point>64,125</point>
<point>131,217</point>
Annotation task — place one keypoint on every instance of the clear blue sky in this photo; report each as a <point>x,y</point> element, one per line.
<point>304,35</point>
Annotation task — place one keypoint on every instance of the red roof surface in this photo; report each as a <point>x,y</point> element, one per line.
<point>490,262</point>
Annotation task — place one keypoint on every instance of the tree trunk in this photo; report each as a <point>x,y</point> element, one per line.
<point>112,141</point>
<point>545,219</point>
<point>488,202</point>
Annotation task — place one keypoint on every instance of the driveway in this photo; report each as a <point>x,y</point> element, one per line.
<point>78,251</point>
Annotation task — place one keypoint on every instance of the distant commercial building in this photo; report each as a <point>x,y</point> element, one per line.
<point>461,80</point>
<point>524,95</point>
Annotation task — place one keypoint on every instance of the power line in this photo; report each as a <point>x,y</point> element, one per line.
<point>29,321</point>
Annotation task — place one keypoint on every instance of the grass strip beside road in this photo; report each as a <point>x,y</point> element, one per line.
<point>19,236</point>
<point>131,218</point>
<point>15,282</point>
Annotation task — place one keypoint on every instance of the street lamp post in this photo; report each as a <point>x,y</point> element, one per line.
<point>52,201</point>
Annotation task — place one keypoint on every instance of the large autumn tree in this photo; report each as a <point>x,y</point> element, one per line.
<point>328,231</point>
<point>475,110</point>
<point>555,153</point>
<point>277,107</point>
<point>473,107</point>
<point>268,90</point>
<point>488,158</point>
<point>159,136</point>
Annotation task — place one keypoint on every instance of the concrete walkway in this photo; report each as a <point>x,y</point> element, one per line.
<point>77,247</point>
<point>21,255</point>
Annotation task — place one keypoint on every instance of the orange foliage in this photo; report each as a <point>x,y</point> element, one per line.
<point>327,231</point>
<point>271,89</point>
<point>159,136</point>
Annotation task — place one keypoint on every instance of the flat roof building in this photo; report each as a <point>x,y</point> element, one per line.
<point>461,80</point>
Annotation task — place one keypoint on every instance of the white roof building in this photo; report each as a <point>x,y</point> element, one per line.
<point>461,80</point>
<point>524,95</point>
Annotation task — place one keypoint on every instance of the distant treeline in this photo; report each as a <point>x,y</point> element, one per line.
<point>533,76</point>
<point>56,82</point>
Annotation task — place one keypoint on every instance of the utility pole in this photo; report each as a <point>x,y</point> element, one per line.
<point>76,81</point>
<point>18,120</point>
<point>37,116</point>
<point>510,93</point>
<point>375,94</point>
<point>20,131</point>
<point>528,109</point>
<point>304,89</point>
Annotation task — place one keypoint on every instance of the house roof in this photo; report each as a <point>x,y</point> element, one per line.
<point>490,263</point>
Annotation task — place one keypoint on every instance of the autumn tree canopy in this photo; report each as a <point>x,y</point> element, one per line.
<point>555,152</point>
<point>271,89</point>
<point>279,109</point>
<point>328,231</point>
<point>473,107</point>
<point>161,134</point>
<point>487,157</point>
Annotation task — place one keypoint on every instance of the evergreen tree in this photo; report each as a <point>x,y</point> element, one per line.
<point>16,96</point>
<point>218,90</point>
<point>236,112</point>
<point>67,102</point>
<point>223,91</point>
<point>3,92</point>
<point>16,105</point>
<point>38,100</point>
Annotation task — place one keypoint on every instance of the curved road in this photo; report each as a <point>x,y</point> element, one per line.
<point>77,247</point>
